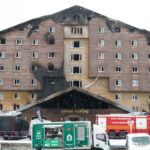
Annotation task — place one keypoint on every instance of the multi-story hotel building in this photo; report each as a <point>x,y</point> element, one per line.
<point>75,47</point>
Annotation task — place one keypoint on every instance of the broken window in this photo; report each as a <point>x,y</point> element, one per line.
<point>51,55</point>
<point>76,44</point>
<point>18,42</point>
<point>76,57</point>
<point>2,41</point>
<point>34,68</point>
<point>21,29</point>
<point>1,67</point>
<point>131,30</point>
<point>2,54</point>
<point>76,70</point>
<point>51,41</point>
<point>17,96</point>
<point>77,83</point>
<point>117,29</point>
<point>16,106</point>
<point>36,29</point>
<point>50,67</point>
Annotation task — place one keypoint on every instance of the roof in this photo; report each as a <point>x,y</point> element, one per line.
<point>137,135</point>
<point>75,15</point>
<point>57,94</point>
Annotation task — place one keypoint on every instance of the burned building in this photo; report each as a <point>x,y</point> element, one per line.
<point>75,47</point>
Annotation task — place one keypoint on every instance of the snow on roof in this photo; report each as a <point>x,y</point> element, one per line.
<point>10,113</point>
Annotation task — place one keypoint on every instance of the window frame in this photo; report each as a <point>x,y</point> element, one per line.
<point>118,83</point>
<point>19,42</point>
<point>72,70</point>
<point>135,83</point>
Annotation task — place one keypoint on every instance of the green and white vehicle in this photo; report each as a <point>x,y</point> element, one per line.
<point>68,135</point>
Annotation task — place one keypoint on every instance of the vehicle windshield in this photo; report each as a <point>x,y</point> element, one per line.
<point>144,140</point>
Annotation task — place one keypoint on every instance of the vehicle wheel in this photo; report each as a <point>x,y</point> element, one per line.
<point>112,134</point>
<point>122,134</point>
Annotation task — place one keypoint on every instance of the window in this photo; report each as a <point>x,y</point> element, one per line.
<point>17,67</point>
<point>134,97</point>
<point>1,95</point>
<point>1,81</point>
<point>21,29</point>
<point>51,55</point>
<point>76,44</point>
<point>118,42</point>
<point>101,42</point>
<point>50,67</point>
<point>148,97</point>
<point>52,29</point>
<point>77,83</point>
<point>16,106</point>
<point>1,107</point>
<point>101,29</point>
<point>18,55</point>
<point>135,83</point>
<point>118,56</point>
<point>101,56</point>
<point>16,82</point>
<point>17,96</point>
<point>19,42</point>
<point>51,40</point>
<point>34,81</point>
<point>101,69</point>
<point>35,42</point>
<point>34,96</point>
<point>76,57</point>
<point>149,69</point>
<point>149,56</point>
<point>36,29</point>
<point>76,31</point>
<point>118,96</point>
<point>2,41</point>
<point>117,29</point>
<point>34,68</point>
<point>134,56</point>
<point>2,54</point>
<point>76,70</point>
<point>118,69</point>
<point>118,82</point>
<point>35,55</point>
<point>134,69</point>
<point>134,43</point>
<point>1,67</point>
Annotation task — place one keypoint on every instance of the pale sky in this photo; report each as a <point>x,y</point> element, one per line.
<point>133,12</point>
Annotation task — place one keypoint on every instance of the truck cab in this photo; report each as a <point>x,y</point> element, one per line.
<point>138,141</point>
<point>100,138</point>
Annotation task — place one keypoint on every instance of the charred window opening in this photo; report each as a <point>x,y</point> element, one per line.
<point>51,41</point>
<point>76,44</point>
<point>76,17</point>
<point>51,55</point>
<point>36,28</point>
<point>76,57</point>
<point>2,41</point>
<point>117,29</point>
<point>76,70</point>
<point>21,29</point>
<point>131,30</point>
<point>49,38</point>
<point>16,106</point>
<point>50,67</point>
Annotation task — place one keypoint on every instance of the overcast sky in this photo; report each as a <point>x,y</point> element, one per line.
<point>133,12</point>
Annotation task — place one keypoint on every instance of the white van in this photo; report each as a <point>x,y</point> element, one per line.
<point>138,141</point>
